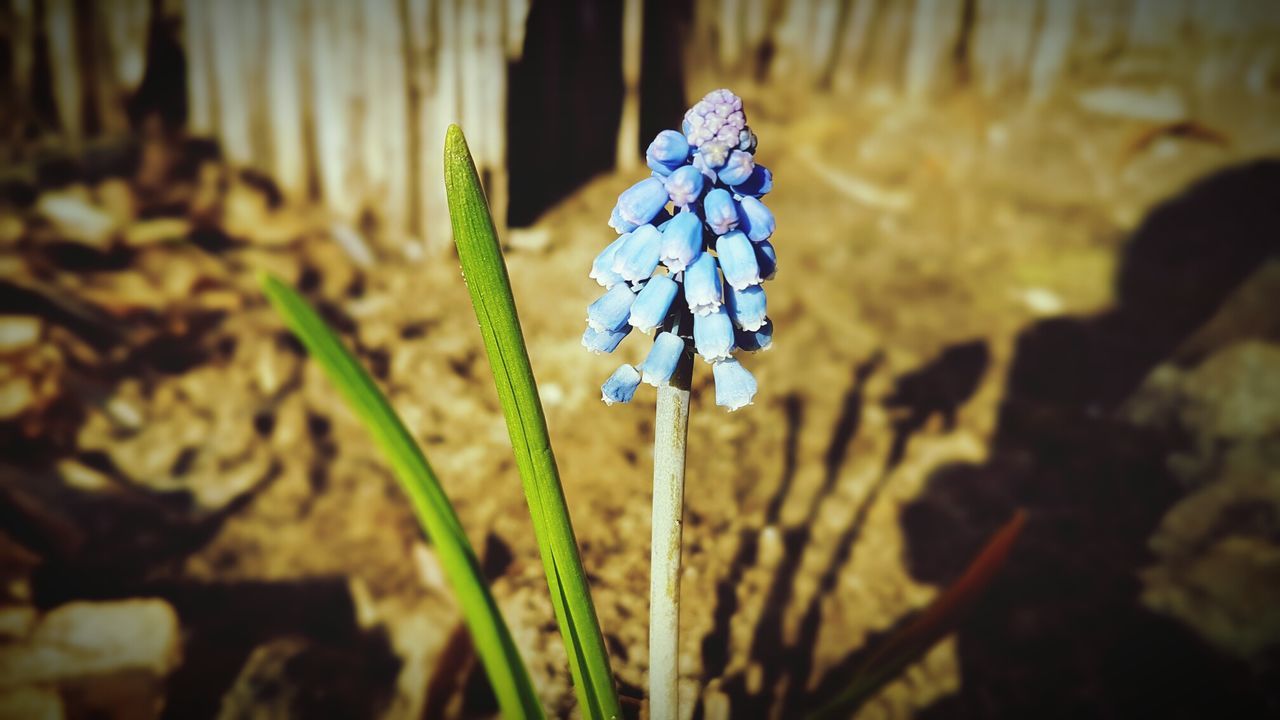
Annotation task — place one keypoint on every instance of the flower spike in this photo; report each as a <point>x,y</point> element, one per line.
<point>694,247</point>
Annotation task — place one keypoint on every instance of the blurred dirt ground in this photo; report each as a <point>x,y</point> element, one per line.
<point>976,310</point>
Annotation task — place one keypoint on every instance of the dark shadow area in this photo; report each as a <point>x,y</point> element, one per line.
<point>292,648</point>
<point>941,386</point>
<point>715,646</point>
<point>768,645</point>
<point>570,68</point>
<point>938,388</point>
<point>163,91</point>
<point>306,655</point>
<point>662,75</point>
<point>1061,634</point>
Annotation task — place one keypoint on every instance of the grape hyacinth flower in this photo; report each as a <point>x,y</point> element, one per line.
<point>700,217</point>
<point>662,360</point>
<point>692,253</point>
<point>720,211</point>
<point>681,241</point>
<point>621,385</point>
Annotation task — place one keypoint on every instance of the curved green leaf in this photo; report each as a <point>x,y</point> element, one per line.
<point>497,652</point>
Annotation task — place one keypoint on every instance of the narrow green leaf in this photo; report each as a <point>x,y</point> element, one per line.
<point>487,281</point>
<point>507,672</point>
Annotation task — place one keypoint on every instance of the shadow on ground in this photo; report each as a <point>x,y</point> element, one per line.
<point>939,387</point>
<point>1062,633</point>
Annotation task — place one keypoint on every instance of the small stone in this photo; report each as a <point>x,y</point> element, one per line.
<point>158,230</point>
<point>124,413</point>
<point>16,396</point>
<point>1041,301</point>
<point>82,477</point>
<point>273,367</point>
<point>429,570</point>
<point>85,639</point>
<point>18,332</point>
<point>76,219</point>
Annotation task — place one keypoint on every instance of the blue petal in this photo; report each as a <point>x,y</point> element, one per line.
<point>737,168</point>
<point>668,151</point>
<point>602,267</point>
<point>721,211</point>
<point>653,302</point>
<point>611,310</point>
<point>641,202</point>
<point>735,385</point>
<point>756,341</point>
<point>618,224</point>
<point>767,259</point>
<point>662,359</point>
<point>758,184</point>
<point>702,288</point>
<point>684,186</point>
<point>681,241</point>
<point>638,257</point>
<point>737,260</point>
<point>756,220</point>
<point>621,385</point>
<point>603,341</point>
<point>746,307</point>
<point>713,335</point>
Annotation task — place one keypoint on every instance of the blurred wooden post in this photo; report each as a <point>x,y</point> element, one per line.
<point>350,101</point>
<point>64,66</point>
<point>346,103</point>
<point>629,128</point>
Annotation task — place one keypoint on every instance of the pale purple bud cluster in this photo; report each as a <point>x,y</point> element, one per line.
<point>692,251</point>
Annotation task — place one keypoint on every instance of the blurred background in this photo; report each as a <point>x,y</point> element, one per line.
<point>1028,260</point>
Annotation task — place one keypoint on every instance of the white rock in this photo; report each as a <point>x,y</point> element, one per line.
<point>85,639</point>
<point>76,219</point>
<point>18,332</point>
<point>1042,301</point>
<point>16,395</point>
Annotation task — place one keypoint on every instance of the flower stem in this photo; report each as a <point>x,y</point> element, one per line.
<point>671,432</point>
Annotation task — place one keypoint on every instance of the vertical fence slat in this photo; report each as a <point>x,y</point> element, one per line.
<point>282,73</point>
<point>64,66</point>
<point>935,31</point>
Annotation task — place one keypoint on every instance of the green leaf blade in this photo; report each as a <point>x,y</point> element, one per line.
<point>497,651</point>
<point>490,288</point>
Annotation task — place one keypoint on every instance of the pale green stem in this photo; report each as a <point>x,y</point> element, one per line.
<point>671,432</point>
